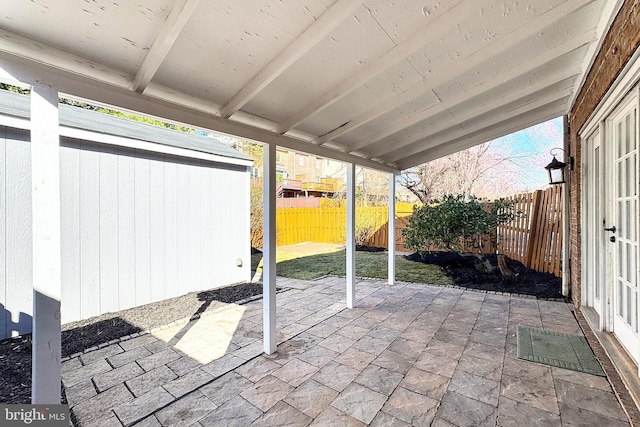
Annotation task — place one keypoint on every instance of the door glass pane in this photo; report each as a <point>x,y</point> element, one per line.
<point>620,253</point>
<point>618,139</point>
<point>620,186</point>
<point>627,182</point>
<point>627,317</point>
<point>632,174</point>
<point>627,254</point>
<point>633,227</point>
<point>632,272</point>
<point>634,316</point>
<point>620,298</point>
<point>627,213</point>
<point>633,140</point>
<point>627,134</point>
<point>619,224</point>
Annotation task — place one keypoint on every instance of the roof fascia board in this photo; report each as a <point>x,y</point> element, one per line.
<point>102,138</point>
<point>14,68</point>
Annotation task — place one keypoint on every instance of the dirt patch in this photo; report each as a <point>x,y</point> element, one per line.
<point>15,353</point>
<point>482,272</point>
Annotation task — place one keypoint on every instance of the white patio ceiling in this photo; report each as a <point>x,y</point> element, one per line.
<point>386,84</point>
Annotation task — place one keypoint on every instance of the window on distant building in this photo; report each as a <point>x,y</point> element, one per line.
<point>318,163</point>
<point>278,157</point>
<point>300,160</point>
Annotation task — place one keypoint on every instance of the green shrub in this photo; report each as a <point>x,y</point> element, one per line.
<point>455,220</point>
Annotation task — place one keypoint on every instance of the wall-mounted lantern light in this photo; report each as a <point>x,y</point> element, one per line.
<point>556,168</point>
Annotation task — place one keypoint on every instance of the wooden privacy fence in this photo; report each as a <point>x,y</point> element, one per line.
<point>534,237</point>
<point>326,223</point>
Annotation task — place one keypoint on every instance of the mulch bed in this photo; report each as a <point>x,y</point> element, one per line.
<point>482,272</point>
<point>365,248</point>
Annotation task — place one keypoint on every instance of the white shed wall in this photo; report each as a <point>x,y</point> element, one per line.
<point>137,227</point>
<point>15,233</point>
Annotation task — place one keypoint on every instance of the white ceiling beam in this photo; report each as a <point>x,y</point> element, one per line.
<point>497,81</point>
<point>471,62</point>
<point>496,117</point>
<point>495,104</point>
<point>20,69</point>
<point>328,21</point>
<point>41,53</point>
<point>525,121</point>
<point>447,19</point>
<point>169,33</point>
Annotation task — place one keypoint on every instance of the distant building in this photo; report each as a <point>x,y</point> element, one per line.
<point>305,175</point>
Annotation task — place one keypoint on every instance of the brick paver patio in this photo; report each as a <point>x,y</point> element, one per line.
<point>408,354</point>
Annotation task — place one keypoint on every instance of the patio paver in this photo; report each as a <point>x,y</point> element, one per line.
<point>408,354</point>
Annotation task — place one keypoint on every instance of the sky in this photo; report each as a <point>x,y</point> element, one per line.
<point>531,150</point>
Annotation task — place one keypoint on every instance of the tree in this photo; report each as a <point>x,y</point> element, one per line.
<point>255,151</point>
<point>116,113</point>
<point>454,220</point>
<point>486,170</point>
<point>14,89</point>
<point>256,212</point>
<point>251,149</point>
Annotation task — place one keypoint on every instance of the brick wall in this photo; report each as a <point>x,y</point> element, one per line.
<point>621,41</point>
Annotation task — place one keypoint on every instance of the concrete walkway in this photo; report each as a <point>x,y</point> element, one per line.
<point>408,354</point>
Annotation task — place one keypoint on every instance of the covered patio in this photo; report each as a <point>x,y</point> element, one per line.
<point>373,84</point>
<point>409,354</point>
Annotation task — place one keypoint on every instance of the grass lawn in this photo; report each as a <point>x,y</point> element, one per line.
<point>368,264</point>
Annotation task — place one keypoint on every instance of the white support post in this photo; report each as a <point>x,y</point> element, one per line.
<point>269,250</point>
<point>351,234</point>
<point>391,275</point>
<point>45,179</point>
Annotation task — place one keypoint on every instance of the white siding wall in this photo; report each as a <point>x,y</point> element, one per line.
<point>15,233</point>
<point>137,227</point>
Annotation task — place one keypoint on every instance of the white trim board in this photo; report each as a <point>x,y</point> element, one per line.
<point>119,141</point>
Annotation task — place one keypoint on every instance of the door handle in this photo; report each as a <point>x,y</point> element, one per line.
<point>611,229</point>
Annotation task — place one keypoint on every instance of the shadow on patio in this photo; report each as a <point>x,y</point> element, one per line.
<point>408,354</point>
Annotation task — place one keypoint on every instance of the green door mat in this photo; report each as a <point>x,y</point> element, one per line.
<point>556,349</point>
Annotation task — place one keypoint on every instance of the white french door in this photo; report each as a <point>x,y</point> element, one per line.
<point>611,223</point>
<point>593,214</point>
<point>623,205</point>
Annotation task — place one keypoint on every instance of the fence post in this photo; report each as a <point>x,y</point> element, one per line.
<point>533,231</point>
